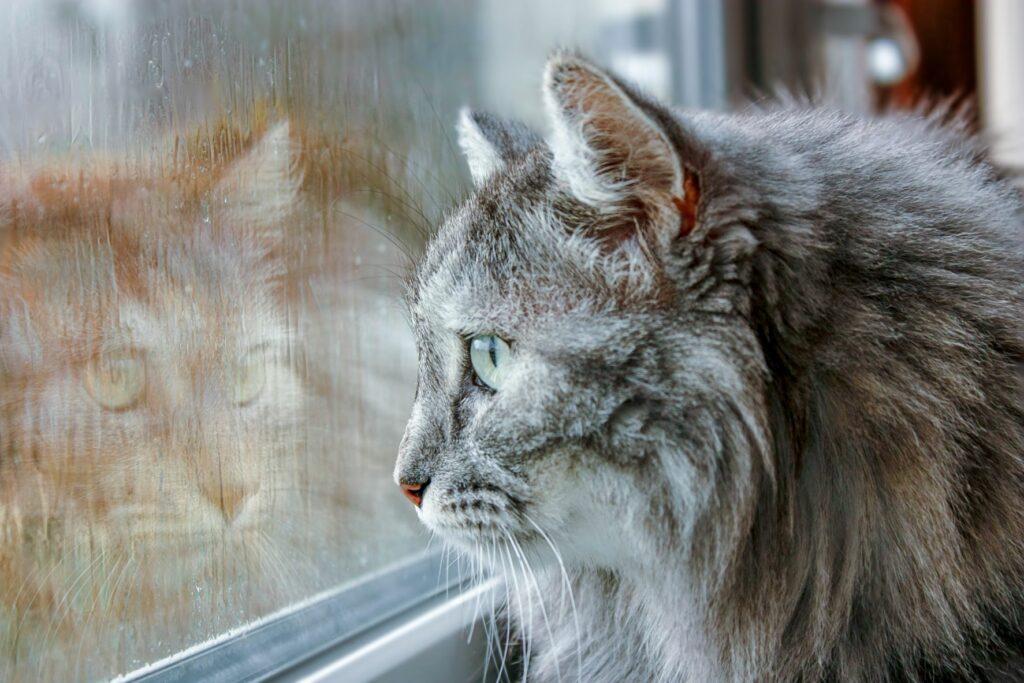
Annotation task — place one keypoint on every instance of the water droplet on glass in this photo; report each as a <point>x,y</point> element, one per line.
<point>156,75</point>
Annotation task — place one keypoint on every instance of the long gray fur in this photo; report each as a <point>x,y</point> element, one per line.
<point>783,447</point>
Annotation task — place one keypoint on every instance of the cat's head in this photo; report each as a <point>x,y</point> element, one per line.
<point>148,405</point>
<point>580,313</point>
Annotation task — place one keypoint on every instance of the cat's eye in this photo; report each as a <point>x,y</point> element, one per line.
<point>250,377</point>
<point>115,380</point>
<point>490,354</point>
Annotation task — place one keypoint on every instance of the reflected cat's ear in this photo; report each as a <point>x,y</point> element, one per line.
<point>612,151</point>
<point>260,189</point>
<point>489,142</point>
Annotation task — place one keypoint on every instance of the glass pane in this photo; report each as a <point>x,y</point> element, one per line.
<point>206,209</point>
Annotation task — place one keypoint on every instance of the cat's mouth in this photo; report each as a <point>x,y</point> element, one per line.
<point>467,516</point>
<point>195,527</point>
<point>170,546</point>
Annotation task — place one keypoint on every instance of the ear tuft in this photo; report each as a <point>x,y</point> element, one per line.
<point>490,143</point>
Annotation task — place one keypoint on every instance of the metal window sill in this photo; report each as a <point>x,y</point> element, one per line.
<point>410,620</point>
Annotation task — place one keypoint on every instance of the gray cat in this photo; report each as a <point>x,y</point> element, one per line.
<point>729,397</point>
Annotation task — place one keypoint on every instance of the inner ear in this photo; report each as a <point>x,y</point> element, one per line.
<point>633,217</point>
<point>687,204</point>
<point>605,145</point>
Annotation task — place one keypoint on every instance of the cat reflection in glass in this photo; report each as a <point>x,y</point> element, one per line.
<point>148,410</point>
<point>728,397</point>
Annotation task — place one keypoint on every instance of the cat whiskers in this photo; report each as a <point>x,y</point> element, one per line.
<point>402,186</point>
<point>443,566</point>
<point>284,565</point>
<point>482,561</point>
<point>476,577</point>
<point>272,561</point>
<point>116,569</point>
<point>495,635</point>
<point>21,589</point>
<point>512,589</point>
<point>489,622</point>
<point>126,565</point>
<point>408,162</point>
<point>488,557</point>
<point>405,250</point>
<point>568,589</point>
<point>67,600</point>
<point>508,619</point>
<point>531,575</point>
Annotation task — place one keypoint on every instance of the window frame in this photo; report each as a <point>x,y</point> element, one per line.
<point>340,633</point>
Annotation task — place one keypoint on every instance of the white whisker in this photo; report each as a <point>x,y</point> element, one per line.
<point>572,599</point>
<point>508,617</point>
<point>532,577</point>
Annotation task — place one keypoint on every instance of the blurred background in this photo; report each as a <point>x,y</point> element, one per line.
<point>264,472</point>
<point>104,68</point>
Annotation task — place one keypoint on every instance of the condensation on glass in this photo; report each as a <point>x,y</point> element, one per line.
<point>205,213</point>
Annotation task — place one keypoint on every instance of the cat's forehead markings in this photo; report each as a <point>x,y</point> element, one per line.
<point>192,330</point>
<point>482,241</point>
<point>138,323</point>
<point>441,277</point>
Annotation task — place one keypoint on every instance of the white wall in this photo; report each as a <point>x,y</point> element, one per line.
<point>1001,45</point>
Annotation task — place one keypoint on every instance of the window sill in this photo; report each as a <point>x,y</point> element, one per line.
<point>407,621</point>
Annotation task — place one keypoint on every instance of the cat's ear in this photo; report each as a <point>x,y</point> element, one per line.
<point>611,150</point>
<point>489,142</point>
<point>260,189</point>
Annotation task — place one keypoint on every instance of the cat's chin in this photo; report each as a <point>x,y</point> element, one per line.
<point>176,552</point>
<point>200,541</point>
<point>174,525</point>
<point>468,535</point>
<point>467,530</point>
<point>471,536</point>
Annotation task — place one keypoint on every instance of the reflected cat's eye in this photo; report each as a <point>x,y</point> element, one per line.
<point>490,354</point>
<point>250,377</point>
<point>115,380</point>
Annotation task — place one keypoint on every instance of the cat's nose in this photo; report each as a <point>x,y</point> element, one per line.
<point>231,499</point>
<point>414,492</point>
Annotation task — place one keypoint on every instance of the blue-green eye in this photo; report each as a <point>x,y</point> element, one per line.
<point>490,356</point>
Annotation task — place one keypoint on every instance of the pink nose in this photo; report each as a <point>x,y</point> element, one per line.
<point>414,492</point>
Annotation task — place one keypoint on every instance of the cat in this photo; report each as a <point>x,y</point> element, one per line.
<point>728,396</point>
<point>150,408</point>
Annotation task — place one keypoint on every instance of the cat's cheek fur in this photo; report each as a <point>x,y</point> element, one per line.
<point>585,510</point>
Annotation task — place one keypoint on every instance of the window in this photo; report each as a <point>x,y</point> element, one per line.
<point>205,213</point>
<point>204,365</point>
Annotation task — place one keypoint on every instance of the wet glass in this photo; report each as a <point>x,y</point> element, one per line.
<point>206,211</point>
